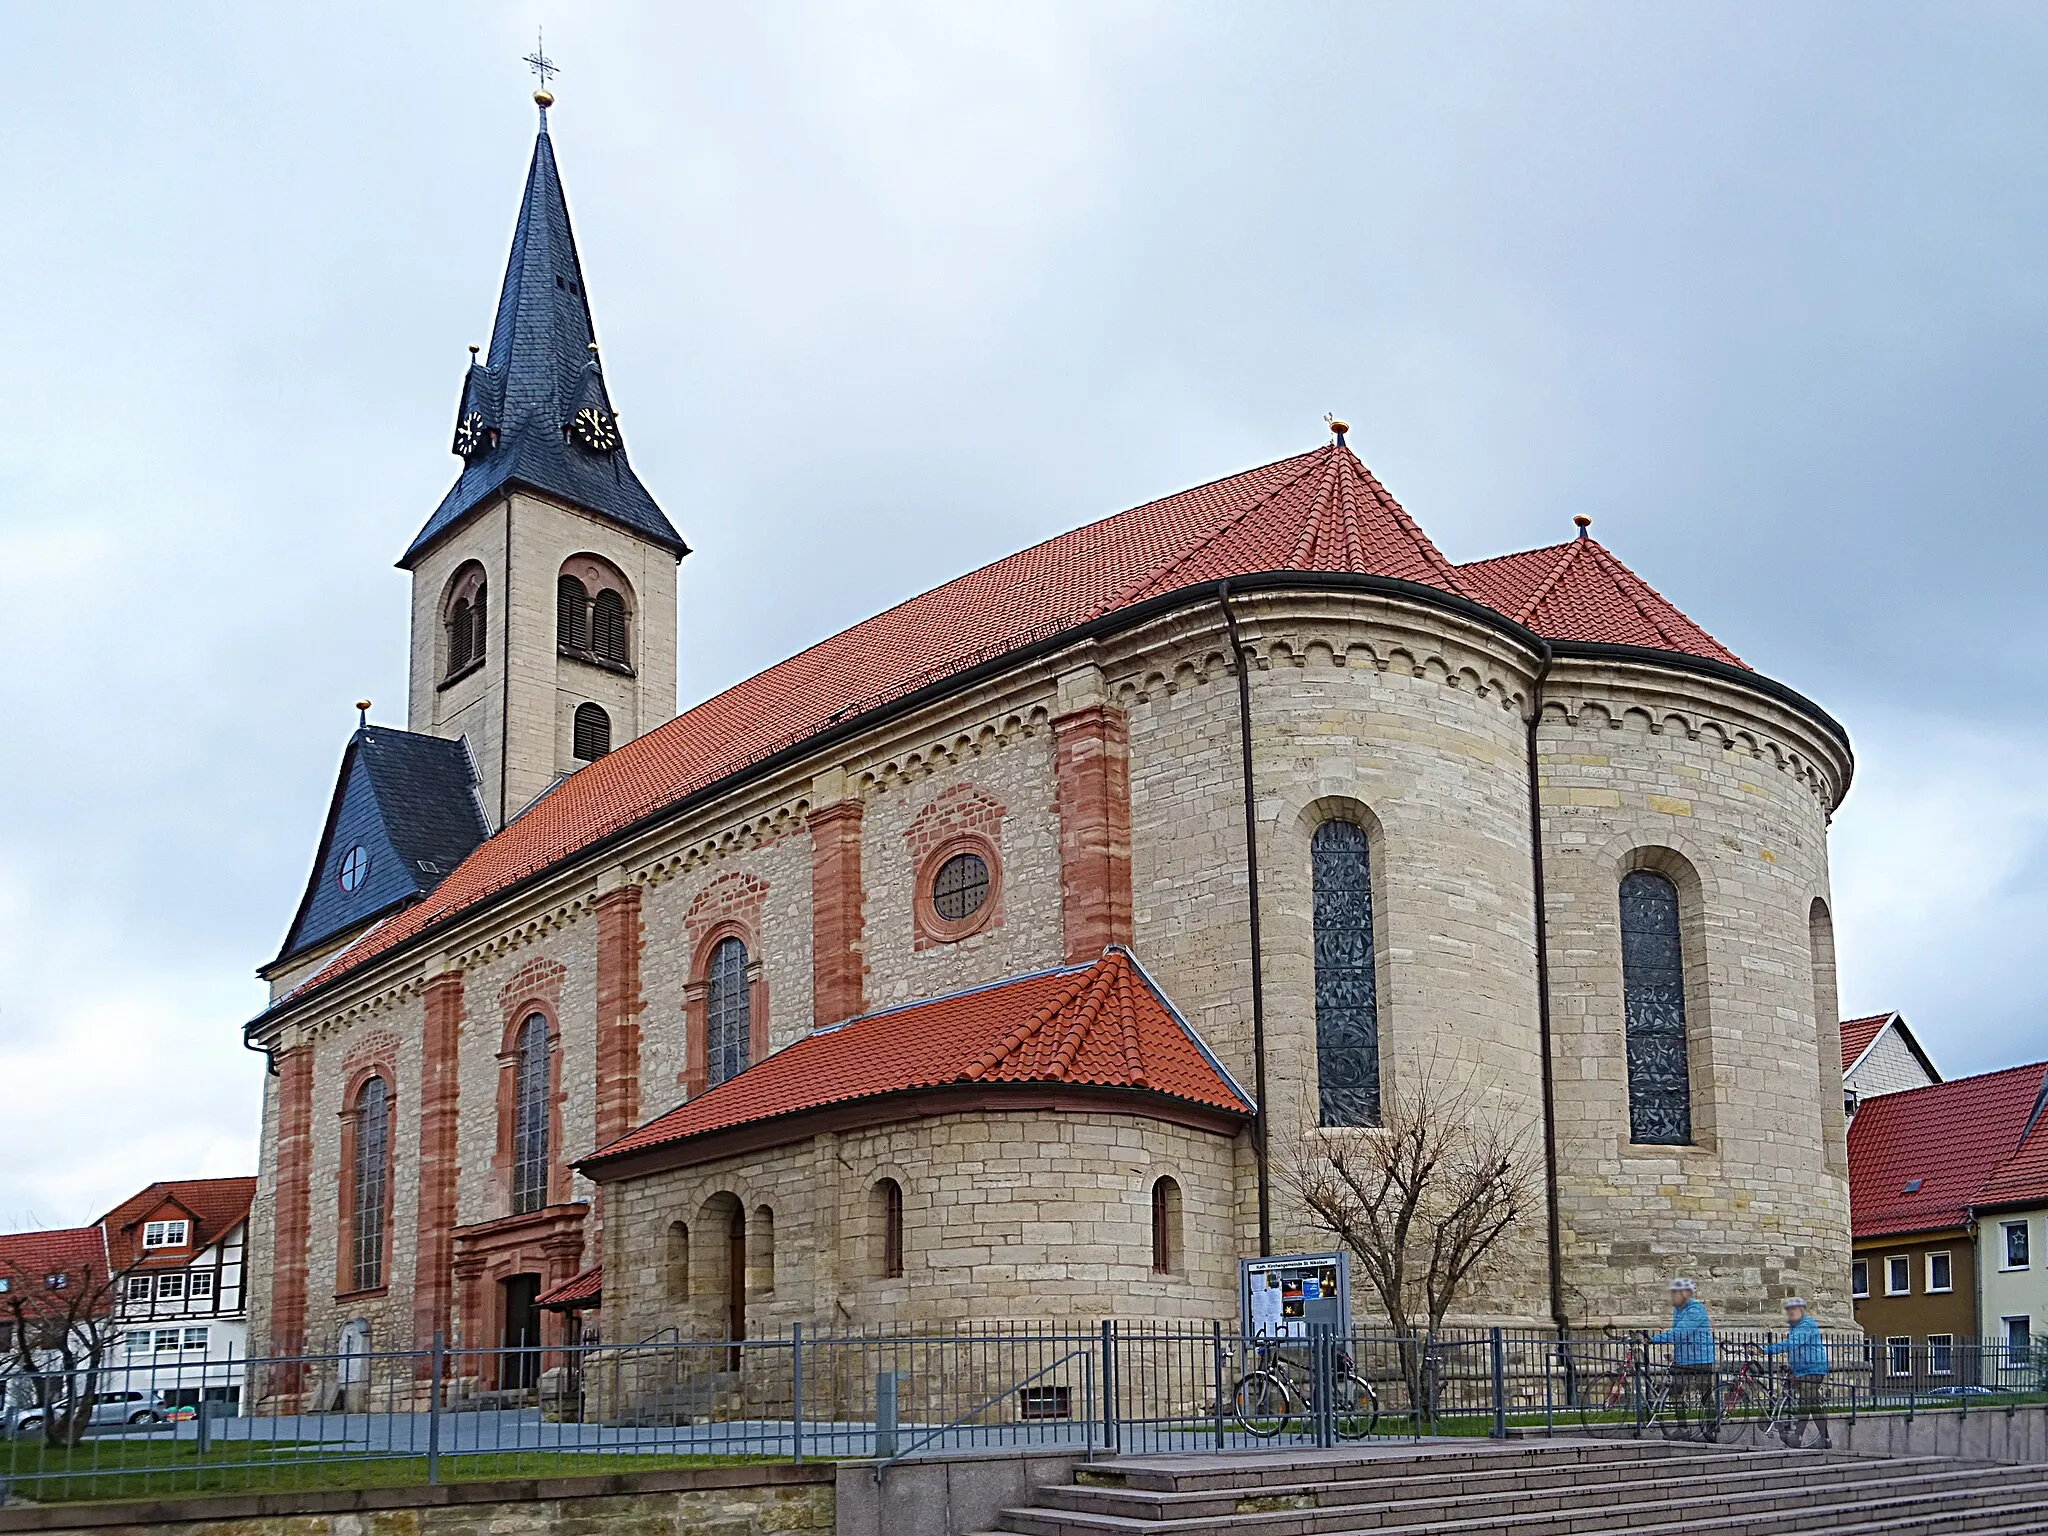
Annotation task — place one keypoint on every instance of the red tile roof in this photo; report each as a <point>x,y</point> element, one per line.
<point>27,1259</point>
<point>577,1292</point>
<point>1579,591</point>
<point>1857,1035</point>
<point>1919,1160</point>
<point>1100,1025</point>
<point>2023,1178</point>
<point>1321,511</point>
<point>215,1205</point>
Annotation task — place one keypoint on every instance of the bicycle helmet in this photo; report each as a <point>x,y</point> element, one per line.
<point>1683,1284</point>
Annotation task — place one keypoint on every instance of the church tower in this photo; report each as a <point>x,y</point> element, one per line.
<point>544,585</point>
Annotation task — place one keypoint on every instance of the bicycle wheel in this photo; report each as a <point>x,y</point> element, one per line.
<point>1604,1400</point>
<point>1745,1411</point>
<point>1265,1407</point>
<point>1358,1408</point>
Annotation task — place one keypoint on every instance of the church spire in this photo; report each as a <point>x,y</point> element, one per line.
<point>535,412</point>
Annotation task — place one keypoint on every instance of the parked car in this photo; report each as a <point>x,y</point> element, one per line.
<point>1954,1392</point>
<point>107,1408</point>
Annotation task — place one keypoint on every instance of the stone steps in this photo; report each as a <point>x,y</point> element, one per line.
<point>1556,1489</point>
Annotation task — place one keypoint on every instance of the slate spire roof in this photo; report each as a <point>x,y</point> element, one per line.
<point>539,373</point>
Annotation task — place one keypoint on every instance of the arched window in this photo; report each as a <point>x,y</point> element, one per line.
<point>677,1276</point>
<point>479,610</point>
<point>371,1184</point>
<point>886,1205</point>
<point>465,609</point>
<point>761,1262</point>
<point>530,1118</point>
<point>728,1017</point>
<point>593,733</point>
<point>1166,1259</point>
<point>1653,1004</point>
<point>1347,1004</point>
<point>572,614</point>
<point>608,627</point>
<point>458,636</point>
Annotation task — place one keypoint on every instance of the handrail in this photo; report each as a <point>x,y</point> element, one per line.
<point>1016,1386</point>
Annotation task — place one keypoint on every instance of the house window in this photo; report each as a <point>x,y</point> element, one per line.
<point>170,1287</point>
<point>1166,1252</point>
<point>164,1234</point>
<point>1653,1005</point>
<point>1898,1356</point>
<point>167,1340</point>
<point>199,1286</point>
<point>728,1013</point>
<point>1347,1001</point>
<point>195,1338</point>
<point>530,1118</point>
<point>1941,1354</point>
<point>370,1195</point>
<point>1898,1275</point>
<point>138,1287</point>
<point>137,1343</point>
<point>593,733</point>
<point>1938,1274</point>
<point>887,1201</point>
<point>1859,1279</point>
<point>2015,1244</point>
<point>2019,1341</point>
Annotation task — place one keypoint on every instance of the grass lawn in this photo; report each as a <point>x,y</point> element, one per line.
<point>36,1474</point>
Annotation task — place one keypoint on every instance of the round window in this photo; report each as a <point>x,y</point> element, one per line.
<point>355,869</point>
<point>960,887</point>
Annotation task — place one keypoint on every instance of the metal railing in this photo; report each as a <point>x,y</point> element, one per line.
<point>457,1413</point>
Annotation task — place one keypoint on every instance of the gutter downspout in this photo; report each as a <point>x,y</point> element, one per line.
<point>1251,865</point>
<point>1553,1228</point>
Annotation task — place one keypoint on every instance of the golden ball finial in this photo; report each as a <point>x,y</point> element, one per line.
<point>544,98</point>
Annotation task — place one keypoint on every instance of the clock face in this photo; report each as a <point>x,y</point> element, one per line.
<point>594,430</point>
<point>469,435</point>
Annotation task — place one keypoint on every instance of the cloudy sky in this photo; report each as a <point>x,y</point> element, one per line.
<point>888,291</point>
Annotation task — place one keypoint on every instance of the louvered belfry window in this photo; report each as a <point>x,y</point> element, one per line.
<point>530,1118</point>
<point>1653,1002</point>
<point>608,627</point>
<point>370,1195</point>
<point>460,636</point>
<point>479,609</point>
<point>1347,1002</point>
<point>728,1013</point>
<point>572,614</point>
<point>593,733</point>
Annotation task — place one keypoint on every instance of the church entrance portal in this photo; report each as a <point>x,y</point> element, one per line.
<point>519,1366</point>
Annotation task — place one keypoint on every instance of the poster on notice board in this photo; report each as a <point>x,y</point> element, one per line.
<point>1275,1295</point>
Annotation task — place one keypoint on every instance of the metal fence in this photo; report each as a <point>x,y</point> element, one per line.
<point>447,1414</point>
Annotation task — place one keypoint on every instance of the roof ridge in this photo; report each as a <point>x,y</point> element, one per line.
<point>1633,586</point>
<point>1549,582</point>
<point>1029,1030</point>
<point>1305,545</point>
<point>1154,579</point>
<point>1443,564</point>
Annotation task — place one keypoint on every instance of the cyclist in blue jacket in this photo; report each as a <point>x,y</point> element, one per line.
<point>1806,1358</point>
<point>1691,1337</point>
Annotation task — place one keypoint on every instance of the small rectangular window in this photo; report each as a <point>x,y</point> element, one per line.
<point>1898,1356</point>
<point>138,1342</point>
<point>1941,1351</point>
<point>2015,1245</point>
<point>1938,1276</point>
<point>138,1287</point>
<point>195,1338</point>
<point>1046,1403</point>
<point>166,1338</point>
<point>163,1234</point>
<point>1859,1279</point>
<point>2019,1341</point>
<point>200,1286</point>
<point>171,1286</point>
<point>1898,1275</point>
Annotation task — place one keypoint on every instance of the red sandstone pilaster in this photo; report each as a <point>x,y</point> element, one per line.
<point>1093,793</point>
<point>836,963</point>
<point>294,1203</point>
<point>619,945</point>
<point>440,1076</point>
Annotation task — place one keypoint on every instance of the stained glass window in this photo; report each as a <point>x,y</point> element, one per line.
<point>530,1118</point>
<point>727,1017</point>
<point>1653,1001</point>
<point>372,1183</point>
<point>1347,1004</point>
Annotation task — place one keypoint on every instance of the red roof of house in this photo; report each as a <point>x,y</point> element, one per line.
<point>577,1292</point>
<point>1918,1160</point>
<point>1098,1025</point>
<point>27,1259</point>
<point>1579,591</point>
<point>1857,1035</point>
<point>1321,511</point>
<point>215,1206</point>
<point>2022,1179</point>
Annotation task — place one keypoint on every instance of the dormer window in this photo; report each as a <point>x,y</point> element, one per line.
<point>165,1234</point>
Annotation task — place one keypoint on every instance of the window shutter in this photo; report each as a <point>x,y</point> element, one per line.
<point>593,734</point>
<point>608,627</point>
<point>572,614</point>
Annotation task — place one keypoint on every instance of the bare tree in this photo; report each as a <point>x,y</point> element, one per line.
<point>1423,1200</point>
<point>59,1310</point>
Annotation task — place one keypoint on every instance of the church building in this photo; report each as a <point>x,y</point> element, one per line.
<point>983,961</point>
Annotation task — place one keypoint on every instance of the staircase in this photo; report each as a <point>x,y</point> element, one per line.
<point>1582,1487</point>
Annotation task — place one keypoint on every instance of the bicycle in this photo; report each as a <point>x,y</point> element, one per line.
<point>1277,1395</point>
